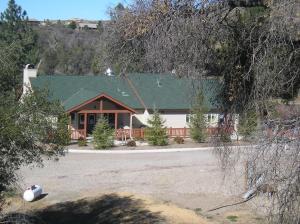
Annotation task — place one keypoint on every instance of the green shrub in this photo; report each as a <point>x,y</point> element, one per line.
<point>179,140</point>
<point>103,134</point>
<point>63,134</point>
<point>139,139</point>
<point>247,124</point>
<point>156,134</point>
<point>198,121</point>
<point>225,136</point>
<point>10,192</point>
<point>232,218</point>
<point>82,142</point>
<point>198,211</point>
<point>131,143</point>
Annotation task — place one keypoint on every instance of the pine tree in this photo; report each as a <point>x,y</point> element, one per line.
<point>247,124</point>
<point>17,36</point>
<point>100,27</point>
<point>103,134</point>
<point>156,133</point>
<point>72,25</point>
<point>198,122</point>
<point>27,134</point>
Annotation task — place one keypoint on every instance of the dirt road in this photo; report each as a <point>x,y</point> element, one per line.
<point>190,180</point>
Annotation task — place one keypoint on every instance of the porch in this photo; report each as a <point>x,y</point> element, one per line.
<point>84,117</point>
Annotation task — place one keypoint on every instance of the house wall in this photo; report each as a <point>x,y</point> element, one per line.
<point>108,105</point>
<point>180,119</point>
<point>175,120</point>
<point>91,106</point>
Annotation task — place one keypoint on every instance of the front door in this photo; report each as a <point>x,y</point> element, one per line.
<point>91,120</point>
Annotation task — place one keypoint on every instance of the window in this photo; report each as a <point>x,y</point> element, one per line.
<point>212,118</point>
<point>209,118</point>
<point>81,118</point>
<point>91,118</point>
<point>72,117</point>
<point>188,118</point>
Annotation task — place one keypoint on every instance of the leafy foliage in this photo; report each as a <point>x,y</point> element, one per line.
<point>30,132</point>
<point>72,25</point>
<point>31,128</point>
<point>103,134</point>
<point>82,142</point>
<point>224,136</point>
<point>179,140</point>
<point>247,124</point>
<point>247,43</point>
<point>232,218</point>
<point>18,37</point>
<point>155,133</point>
<point>71,52</point>
<point>198,121</point>
<point>131,143</point>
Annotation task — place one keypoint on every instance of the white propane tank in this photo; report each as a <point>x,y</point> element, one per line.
<point>32,192</point>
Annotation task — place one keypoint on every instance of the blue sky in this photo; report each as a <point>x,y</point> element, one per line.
<point>66,9</point>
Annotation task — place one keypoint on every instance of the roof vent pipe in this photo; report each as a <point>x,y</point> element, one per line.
<point>109,72</point>
<point>158,82</point>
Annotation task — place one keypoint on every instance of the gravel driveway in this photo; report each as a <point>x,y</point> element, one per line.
<point>188,179</point>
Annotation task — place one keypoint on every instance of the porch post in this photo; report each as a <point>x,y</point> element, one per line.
<point>85,125</point>
<point>70,125</point>
<point>101,105</point>
<point>116,121</point>
<point>130,124</point>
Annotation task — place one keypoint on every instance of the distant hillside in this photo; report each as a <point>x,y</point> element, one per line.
<point>64,50</point>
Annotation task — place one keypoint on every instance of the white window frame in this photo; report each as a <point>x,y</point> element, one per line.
<point>188,118</point>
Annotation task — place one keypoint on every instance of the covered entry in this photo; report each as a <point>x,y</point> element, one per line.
<point>84,116</point>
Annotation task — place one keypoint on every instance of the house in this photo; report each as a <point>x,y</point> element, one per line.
<point>87,25</point>
<point>126,101</point>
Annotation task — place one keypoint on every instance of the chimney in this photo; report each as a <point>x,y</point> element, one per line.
<point>29,72</point>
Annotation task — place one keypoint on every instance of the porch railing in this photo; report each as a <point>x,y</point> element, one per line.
<point>77,134</point>
<point>140,133</point>
<point>135,133</point>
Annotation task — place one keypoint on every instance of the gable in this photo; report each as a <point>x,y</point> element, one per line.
<point>100,102</point>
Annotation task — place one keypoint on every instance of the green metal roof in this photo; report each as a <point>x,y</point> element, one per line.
<point>166,91</point>
<point>160,91</point>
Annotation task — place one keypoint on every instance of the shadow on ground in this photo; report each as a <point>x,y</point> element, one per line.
<point>41,196</point>
<point>107,209</point>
